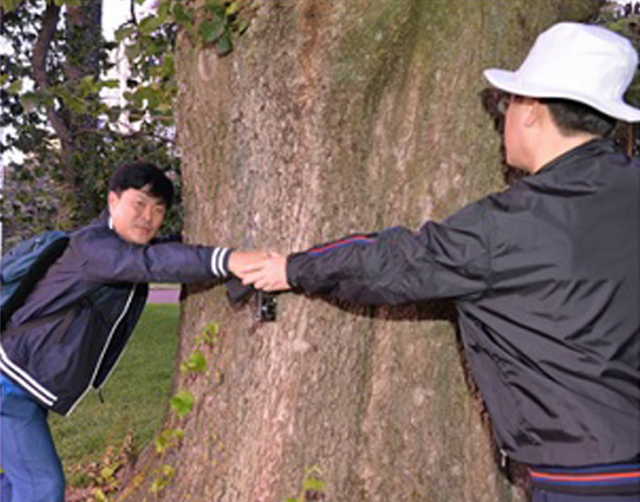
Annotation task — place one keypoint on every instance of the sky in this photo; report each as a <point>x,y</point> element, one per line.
<point>116,12</point>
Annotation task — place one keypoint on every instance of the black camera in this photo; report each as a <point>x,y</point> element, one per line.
<point>266,306</point>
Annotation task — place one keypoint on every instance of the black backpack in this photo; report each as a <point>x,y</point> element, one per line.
<point>23,266</point>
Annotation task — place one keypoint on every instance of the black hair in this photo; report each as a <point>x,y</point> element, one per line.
<point>572,117</point>
<point>142,176</point>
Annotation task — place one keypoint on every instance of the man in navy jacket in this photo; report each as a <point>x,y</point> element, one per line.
<point>544,274</point>
<point>69,334</point>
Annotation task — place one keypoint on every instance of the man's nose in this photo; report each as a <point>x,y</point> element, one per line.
<point>147,213</point>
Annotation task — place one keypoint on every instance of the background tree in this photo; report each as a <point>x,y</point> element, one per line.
<point>331,117</point>
<point>65,139</point>
<point>626,135</point>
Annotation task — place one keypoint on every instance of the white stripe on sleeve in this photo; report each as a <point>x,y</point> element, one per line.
<point>218,258</point>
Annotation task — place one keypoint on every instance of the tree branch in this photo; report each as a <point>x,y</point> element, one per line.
<point>133,13</point>
<point>39,64</point>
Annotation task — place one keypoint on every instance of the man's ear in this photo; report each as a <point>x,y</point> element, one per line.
<point>534,112</point>
<point>112,200</point>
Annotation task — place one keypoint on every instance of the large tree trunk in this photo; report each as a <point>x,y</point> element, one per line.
<point>332,117</point>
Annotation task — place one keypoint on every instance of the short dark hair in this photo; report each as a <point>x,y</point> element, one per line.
<point>142,176</point>
<point>572,117</point>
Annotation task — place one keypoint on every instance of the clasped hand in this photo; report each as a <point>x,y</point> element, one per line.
<point>263,270</point>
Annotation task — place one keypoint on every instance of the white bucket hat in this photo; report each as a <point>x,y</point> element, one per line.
<point>579,62</point>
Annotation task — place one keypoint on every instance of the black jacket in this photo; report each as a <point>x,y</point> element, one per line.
<point>71,331</point>
<point>545,279</point>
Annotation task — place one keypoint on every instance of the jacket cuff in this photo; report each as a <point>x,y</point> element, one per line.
<point>291,272</point>
<point>220,262</point>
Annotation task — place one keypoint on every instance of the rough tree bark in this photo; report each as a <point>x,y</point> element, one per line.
<point>332,117</point>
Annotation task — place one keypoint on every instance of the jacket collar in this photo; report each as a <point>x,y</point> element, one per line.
<point>586,150</point>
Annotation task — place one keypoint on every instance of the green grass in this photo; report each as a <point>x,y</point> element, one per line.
<point>136,395</point>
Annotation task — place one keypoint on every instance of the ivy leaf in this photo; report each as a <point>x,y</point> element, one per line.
<point>232,9</point>
<point>313,484</point>
<point>216,9</point>
<point>100,496</point>
<point>211,31</point>
<point>107,472</point>
<point>182,15</point>
<point>196,362</point>
<point>182,403</point>
<point>224,45</point>
<point>167,471</point>
<point>211,328</point>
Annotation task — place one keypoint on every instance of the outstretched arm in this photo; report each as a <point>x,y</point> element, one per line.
<point>442,260</point>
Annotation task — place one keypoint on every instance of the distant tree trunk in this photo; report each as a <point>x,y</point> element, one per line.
<point>83,37</point>
<point>332,117</point>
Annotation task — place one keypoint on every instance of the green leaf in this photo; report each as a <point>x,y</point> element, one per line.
<point>196,363</point>
<point>100,496</point>
<point>167,471</point>
<point>232,8</point>
<point>168,438</point>
<point>123,32</point>
<point>161,443</point>
<point>108,472</point>
<point>211,31</point>
<point>15,87</point>
<point>212,328</point>
<point>241,27</point>
<point>133,51</point>
<point>182,15</point>
<point>149,24</point>
<point>111,83</point>
<point>163,10</point>
<point>224,45</point>
<point>216,8</point>
<point>164,108</point>
<point>313,484</point>
<point>88,86</point>
<point>9,5</point>
<point>182,403</point>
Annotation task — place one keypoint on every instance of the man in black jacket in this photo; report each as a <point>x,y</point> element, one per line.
<point>544,274</point>
<point>69,334</point>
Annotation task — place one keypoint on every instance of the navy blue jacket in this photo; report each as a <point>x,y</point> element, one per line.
<point>72,329</point>
<point>545,279</point>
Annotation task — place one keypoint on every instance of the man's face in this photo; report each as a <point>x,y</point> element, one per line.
<point>136,215</point>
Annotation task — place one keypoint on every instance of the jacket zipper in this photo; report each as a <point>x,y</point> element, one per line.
<point>98,390</point>
<point>104,350</point>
